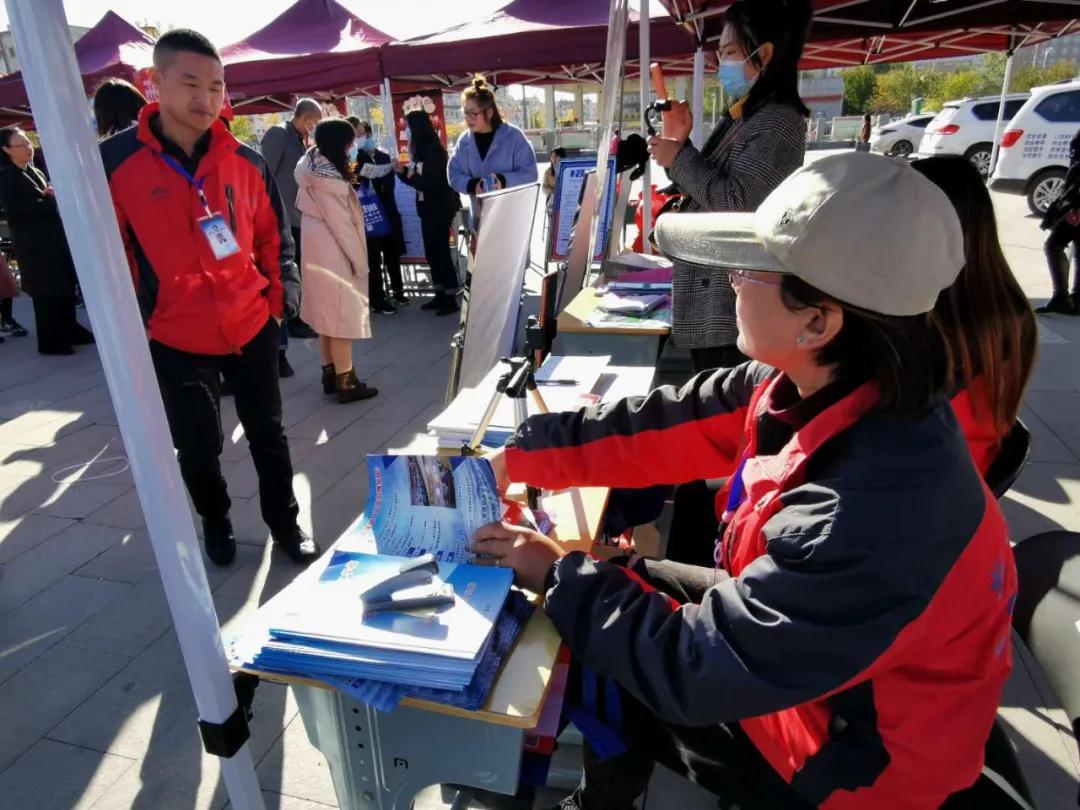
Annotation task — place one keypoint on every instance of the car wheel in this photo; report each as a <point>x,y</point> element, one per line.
<point>902,149</point>
<point>1044,189</point>
<point>979,155</point>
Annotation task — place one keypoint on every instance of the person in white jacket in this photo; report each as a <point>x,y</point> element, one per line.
<point>334,300</point>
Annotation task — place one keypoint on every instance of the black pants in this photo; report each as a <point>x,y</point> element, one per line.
<point>436,234</point>
<point>54,318</point>
<point>694,524</point>
<point>719,757</point>
<point>191,388</point>
<point>5,309</point>
<point>716,357</point>
<point>1062,235</point>
<point>383,252</point>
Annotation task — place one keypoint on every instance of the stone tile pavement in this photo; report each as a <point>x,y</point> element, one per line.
<point>95,708</point>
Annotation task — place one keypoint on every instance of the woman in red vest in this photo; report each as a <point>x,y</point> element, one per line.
<point>850,646</point>
<point>987,320</point>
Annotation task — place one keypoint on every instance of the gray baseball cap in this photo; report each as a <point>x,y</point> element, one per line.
<point>866,229</point>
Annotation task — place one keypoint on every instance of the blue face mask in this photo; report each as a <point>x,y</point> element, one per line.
<point>368,144</point>
<point>354,150</point>
<point>729,72</point>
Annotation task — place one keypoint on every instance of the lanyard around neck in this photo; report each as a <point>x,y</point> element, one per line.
<point>174,164</point>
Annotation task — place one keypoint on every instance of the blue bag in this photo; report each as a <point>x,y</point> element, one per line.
<point>376,223</point>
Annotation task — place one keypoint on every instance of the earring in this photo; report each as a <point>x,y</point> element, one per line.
<point>800,340</point>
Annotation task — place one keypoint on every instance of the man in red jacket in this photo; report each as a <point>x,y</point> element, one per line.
<point>212,260</point>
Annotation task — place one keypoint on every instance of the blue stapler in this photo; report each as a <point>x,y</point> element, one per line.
<point>405,590</point>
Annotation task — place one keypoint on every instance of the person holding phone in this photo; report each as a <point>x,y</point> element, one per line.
<point>493,154</point>
<point>760,141</point>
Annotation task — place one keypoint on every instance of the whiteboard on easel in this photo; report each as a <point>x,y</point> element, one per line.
<point>498,275</point>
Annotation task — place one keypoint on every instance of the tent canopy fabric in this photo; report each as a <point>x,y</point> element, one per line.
<point>856,32</point>
<point>526,41</point>
<point>314,45</point>
<point>112,48</point>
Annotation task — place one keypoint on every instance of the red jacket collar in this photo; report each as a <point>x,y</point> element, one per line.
<point>221,140</point>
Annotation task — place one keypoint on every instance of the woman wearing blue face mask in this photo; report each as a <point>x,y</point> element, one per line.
<point>760,141</point>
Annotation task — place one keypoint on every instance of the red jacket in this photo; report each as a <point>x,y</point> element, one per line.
<point>190,300</point>
<point>862,640</point>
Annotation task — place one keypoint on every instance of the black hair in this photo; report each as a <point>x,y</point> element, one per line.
<point>6,134</point>
<point>116,106</point>
<point>784,23</point>
<point>332,139</point>
<point>560,151</point>
<point>354,120</point>
<point>367,128</point>
<point>423,136</point>
<point>182,40</point>
<point>903,355</point>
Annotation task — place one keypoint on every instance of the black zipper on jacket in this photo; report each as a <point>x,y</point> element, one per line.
<point>232,208</point>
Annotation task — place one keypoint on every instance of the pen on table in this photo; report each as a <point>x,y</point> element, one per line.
<point>556,382</point>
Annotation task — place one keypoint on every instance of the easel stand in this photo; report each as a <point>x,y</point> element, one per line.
<point>517,383</point>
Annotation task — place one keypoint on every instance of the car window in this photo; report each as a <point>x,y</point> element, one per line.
<point>1013,107</point>
<point>985,111</point>
<point>1060,107</point>
<point>920,123</point>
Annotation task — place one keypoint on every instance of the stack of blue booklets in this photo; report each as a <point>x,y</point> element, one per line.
<point>318,627</point>
<point>327,634</point>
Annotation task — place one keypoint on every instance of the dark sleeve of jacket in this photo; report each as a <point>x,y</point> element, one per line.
<point>831,595</point>
<point>275,252</point>
<point>769,147</point>
<point>433,179</point>
<point>671,436</point>
<point>22,199</point>
<point>273,148</point>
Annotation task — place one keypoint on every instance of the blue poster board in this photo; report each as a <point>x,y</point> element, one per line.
<point>571,178</point>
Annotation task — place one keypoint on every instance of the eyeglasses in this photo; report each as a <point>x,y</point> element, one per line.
<point>737,277</point>
<point>470,114</point>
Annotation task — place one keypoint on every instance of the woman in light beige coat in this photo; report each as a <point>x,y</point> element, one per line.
<point>334,253</point>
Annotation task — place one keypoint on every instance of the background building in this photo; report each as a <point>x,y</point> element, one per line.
<point>9,60</point>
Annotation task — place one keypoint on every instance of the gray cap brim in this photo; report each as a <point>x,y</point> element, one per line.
<point>727,240</point>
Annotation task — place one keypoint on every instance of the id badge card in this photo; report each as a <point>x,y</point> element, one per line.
<point>219,236</point>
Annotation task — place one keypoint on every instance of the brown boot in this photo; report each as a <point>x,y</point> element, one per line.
<point>350,389</point>
<point>329,379</point>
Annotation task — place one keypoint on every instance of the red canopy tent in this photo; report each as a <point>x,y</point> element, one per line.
<point>527,42</point>
<point>856,32</point>
<point>112,48</point>
<point>315,47</point>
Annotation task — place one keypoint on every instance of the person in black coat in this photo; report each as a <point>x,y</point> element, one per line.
<point>41,248</point>
<point>384,251</point>
<point>436,205</point>
<point>1062,219</point>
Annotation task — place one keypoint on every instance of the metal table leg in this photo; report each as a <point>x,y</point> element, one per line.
<point>381,761</point>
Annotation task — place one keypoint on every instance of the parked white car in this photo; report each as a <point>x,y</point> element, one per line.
<point>1034,153</point>
<point>966,127</point>
<point>900,137</point>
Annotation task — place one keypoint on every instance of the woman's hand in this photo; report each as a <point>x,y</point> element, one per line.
<point>664,150</point>
<point>678,122</point>
<point>498,465</point>
<point>528,552</point>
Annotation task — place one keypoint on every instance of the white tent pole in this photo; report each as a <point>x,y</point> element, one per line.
<point>646,99</point>
<point>1001,111</point>
<point>60,111</point>
<point>389,125</point>
<point>699,96</point>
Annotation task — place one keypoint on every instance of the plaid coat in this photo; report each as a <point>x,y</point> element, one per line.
<point>742,161</point>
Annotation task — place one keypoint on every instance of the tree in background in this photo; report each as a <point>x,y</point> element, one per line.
<point>897,88</point>
<point>859,86</point>
<point>1023,79</point>
<point>244,130</point>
